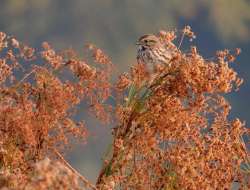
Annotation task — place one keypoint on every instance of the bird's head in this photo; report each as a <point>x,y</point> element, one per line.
<point>148,41</point>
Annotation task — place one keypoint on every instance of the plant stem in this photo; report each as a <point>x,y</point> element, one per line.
<point>84,180</point>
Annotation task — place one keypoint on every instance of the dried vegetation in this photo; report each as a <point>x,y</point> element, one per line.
<point>172,132</point>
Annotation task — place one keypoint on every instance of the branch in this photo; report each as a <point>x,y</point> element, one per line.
<point>84,180</point>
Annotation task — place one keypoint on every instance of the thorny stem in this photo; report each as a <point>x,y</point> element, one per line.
<point>84,180</point>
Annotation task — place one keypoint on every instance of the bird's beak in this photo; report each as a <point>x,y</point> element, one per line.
<point>138,43</point>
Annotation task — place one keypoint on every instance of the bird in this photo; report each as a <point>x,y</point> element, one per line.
<point>152,51</point>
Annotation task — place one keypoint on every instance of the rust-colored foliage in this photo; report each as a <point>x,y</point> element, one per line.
<point>37,103</point>
<point>173,130</point>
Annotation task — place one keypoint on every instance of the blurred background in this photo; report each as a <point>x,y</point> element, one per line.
<point>114,26</point>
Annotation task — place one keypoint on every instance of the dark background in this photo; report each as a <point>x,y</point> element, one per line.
<point>114,26</point>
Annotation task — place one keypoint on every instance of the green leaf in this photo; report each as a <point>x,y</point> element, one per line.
<point>131,94</point>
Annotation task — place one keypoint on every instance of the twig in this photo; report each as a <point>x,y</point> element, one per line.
<point>157,82</point>
<point>182,38</point>
<point>84,180</point>
<point>25,77</point>
<point>135,157</point>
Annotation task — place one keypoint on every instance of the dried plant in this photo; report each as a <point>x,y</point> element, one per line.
<point>173,130</point>
<point>37,104</point>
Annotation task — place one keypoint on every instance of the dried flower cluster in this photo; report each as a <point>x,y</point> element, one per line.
<point>37,103</point>
<point>52,175</point>
<point>173,129</point>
